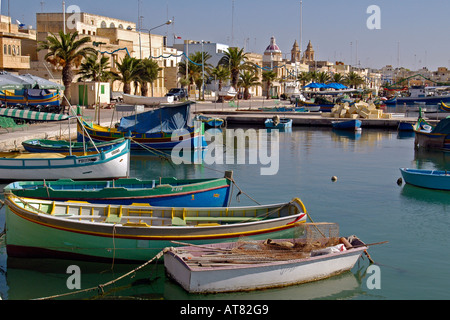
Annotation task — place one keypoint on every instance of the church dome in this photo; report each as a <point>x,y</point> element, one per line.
<point>273,47</point>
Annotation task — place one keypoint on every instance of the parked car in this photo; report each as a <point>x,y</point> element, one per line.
<point>177,93</point>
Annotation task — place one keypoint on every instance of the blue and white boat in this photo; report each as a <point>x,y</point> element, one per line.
<point>353,125</point>
<point>430,179</point>
<point>210,122</point>
<point>283,123</point>
<point>111,164</point>
<point>425,95</point>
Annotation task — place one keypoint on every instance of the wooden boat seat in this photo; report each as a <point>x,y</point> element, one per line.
<point>178,221</point>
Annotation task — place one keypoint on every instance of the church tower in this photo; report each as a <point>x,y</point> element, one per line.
<point>295,53</point>
<point>308,56</point>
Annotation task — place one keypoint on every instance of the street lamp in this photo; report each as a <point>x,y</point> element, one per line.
<point>150,35</point>
<point>203,72</point>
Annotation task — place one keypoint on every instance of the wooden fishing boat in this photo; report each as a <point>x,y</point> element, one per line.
<point>247,266</point>
<point>160,129</point>
<point>211,122</point>
<point>31,97</point>
<point>430,179</point>
<point>353,125</point>
<point>146,101</point>
<point>444,107</point>
<point>113,163</point>
<point>405,126</point>
<point>160,192</point>
<point>278,123</point>
<point>66,147</point>
<point>101,232</point>
<point>432,137</point>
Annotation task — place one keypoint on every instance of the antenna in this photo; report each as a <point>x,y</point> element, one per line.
<point>232,23</point>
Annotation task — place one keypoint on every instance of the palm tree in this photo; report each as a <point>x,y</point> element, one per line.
<point>338,78</point>
<point>304,78</point>
<point>236,61</point>
<point>323,77</point>
<point>195,70</point>
<point>354,80</point>
<point>248,79</point>
<point>67,52</point>
<point>313,76</point>
<point>148,70</point>
<point>269,76</point>
<point>128,72</point>
<point>221,74</point>
<point>94,69</point>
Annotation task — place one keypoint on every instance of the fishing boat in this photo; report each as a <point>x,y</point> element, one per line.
<point>405,126</point>
<point>162,129</point>
<point>432,137</point>
<point>278,123</point>
<point>104,232</point>
<point>227,93</point>
<point>253,265</point>
<point>390,101</point>
<point>158,192</point>
<point>210,122</point>
<point>110,164</point>
<point>353,125</point>
<point>31,97</point>
<point>425,95</point>
<point>430,179</point>
<point>146,101</point>
<point>444,107</point>
<point>67,147</point>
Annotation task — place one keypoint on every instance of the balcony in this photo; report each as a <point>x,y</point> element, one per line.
<point>14,62</point>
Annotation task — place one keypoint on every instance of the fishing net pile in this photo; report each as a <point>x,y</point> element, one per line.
<point>311,239</point>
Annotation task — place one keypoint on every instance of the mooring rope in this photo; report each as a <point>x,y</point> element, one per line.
<point>101,287</point>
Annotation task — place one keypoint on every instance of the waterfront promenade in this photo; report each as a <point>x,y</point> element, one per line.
<point>245,114</point>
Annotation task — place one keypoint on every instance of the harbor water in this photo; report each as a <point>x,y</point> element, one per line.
<point>365,200</point>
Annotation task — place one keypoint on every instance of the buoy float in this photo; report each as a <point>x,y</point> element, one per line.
<point>333,178</point>
<point>399,181</point>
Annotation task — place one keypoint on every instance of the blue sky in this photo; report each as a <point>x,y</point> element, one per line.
<point>413,33</point>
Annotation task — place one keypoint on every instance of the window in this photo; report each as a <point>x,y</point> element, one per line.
<point>103,24</point>
<point>5,49</point>
<point>9,49</point>
<point>112,25</point>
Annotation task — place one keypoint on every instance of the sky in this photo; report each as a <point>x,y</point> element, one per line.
<point>407,33</point>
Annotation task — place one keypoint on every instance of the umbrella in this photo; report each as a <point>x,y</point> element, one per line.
<point>335,85</point>
<point>40,83</point>
<point>9,81</point>
<point>315,85</point>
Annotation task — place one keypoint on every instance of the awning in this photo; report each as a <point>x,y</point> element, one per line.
<point>32,115</point>
<point>9,81</point>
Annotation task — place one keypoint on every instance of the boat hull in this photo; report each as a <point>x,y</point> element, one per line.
<point>429,140</point>
<point>114,163</point>
<point>426,100</point>
<point>35,234</point>
<point>283,124</point>
<point>51,99</point>
<point>247,277</point>
<point>63,146</point>
<point>430,179</point>
<point>347,125</point>
<point>193,139</point>
<point>167,192</point>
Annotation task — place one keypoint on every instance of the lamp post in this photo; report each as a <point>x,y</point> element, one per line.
<point>203,72</point>
<point>150,35</point>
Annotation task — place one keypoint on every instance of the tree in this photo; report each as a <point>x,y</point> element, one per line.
<point>313,76</point>
<point>95,69</point>
<point>66,51</point>
<point>148,70</point>
<point>304,78</point>
<point>195,69</point>
<point>269,76</point>
<point>354,80</point>
<point>221,74</point>
<point>248,79</point>
<point>128,72</point>
<point>338,78</point>
<point>236,61</point>
<point>323,77</point>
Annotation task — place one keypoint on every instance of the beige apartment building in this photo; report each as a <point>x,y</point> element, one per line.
<point>112,37</point>
<point>15,44</point>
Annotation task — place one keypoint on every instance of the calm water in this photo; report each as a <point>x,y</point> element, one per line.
<point>365,201</point>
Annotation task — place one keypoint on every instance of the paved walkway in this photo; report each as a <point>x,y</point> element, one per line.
<point>55,130</point>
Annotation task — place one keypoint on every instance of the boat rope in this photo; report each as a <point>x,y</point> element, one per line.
<point>101,287</point>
